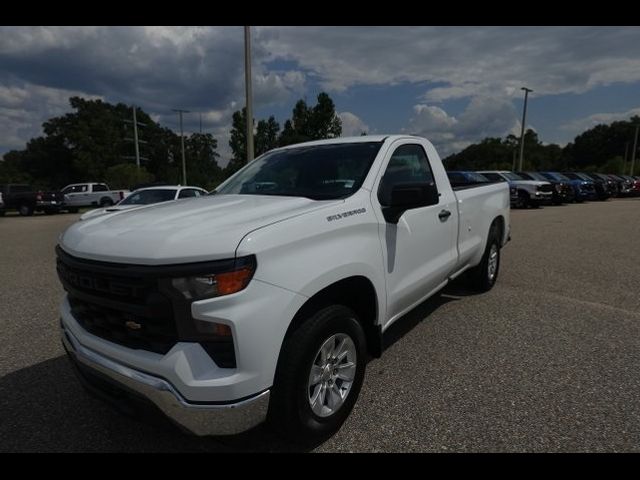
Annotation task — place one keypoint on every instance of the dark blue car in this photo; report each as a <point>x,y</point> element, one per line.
<point>583,189</point>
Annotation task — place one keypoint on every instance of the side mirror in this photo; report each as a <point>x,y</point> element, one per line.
<point>406,196</point>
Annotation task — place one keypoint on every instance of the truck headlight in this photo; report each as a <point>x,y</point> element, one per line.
<point>209,285</point>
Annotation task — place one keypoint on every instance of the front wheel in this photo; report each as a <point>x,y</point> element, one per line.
<point>523,199</point>
<point>319,376</point>
<point>483,277</point>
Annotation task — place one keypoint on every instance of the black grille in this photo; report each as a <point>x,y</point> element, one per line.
<point>127,310</point>
<point>153,333</point>
<point>545,188</point>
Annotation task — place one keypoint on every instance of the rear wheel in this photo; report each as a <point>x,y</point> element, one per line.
<point>483,277</point>
<point>25,210</point>
<point>106,202</point>
<point>319,375</point>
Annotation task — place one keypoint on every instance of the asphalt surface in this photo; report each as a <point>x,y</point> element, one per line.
<point>549,360</point>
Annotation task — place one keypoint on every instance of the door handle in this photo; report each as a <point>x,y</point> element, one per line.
<point>444,214</point>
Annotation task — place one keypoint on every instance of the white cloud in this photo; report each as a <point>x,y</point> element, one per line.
<point>24,108</point>
<point>201,69</point>
<point>582,124</point>
<point>483,117</point>
<point>352,125</point>
<point>462,61</point>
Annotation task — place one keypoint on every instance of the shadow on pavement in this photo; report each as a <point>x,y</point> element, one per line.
<point>454,291</point>
<point>43,408</point>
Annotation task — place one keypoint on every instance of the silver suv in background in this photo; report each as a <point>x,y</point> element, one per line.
<point>529,193</point>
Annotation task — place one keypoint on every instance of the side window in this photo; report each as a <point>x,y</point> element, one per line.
<point>457,179</point>
<point>100,187</point>
<point>493,177</point>
<point>408,164</point>
<point>187,192</point>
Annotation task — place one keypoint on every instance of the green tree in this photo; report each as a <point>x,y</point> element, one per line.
<point>202,165</point>
<point>498,154</point>
<point>598,145</point>
<point>84,144</point>
<point>316,123</point>
<point>127,176</point>
<point>265,138</point>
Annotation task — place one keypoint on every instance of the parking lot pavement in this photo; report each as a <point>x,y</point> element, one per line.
<point>546,361</point>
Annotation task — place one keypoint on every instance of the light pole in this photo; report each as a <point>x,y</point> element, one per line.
<point>135,137</point>
<point>635,147</point>
<point>247,86</point>
<point>184,164</point>
<point>524,119</point>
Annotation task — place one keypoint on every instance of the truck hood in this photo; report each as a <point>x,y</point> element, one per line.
<point>189,230</point>
<point>104,211</point>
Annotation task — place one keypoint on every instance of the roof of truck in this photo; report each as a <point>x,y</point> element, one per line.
<point>358,139</point>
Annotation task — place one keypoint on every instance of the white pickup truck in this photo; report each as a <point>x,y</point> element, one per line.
<point>264,300</point>
<point>90,195</point>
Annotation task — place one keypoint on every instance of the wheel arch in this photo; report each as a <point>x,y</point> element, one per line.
<point>356,292</point>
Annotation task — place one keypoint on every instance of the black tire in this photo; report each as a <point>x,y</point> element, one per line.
<point>523,199</point>
<point>25,210</point>
<point>106,202</point>
<point>479,278</point>
<point>290,412</point>
<point>2,212</point>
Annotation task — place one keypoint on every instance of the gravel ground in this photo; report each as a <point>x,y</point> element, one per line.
<point>546,361</point>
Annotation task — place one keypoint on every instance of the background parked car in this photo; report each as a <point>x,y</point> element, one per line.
<point>631,185</point>
<point>90,194</point>
<point>605,187</point>
<point>584,189</point>
<point>529,193</point>
<point>601,191</point>
<point>562,190</point>
<point>26,200</point>
<point>588,186</point>
<point>148,196</point>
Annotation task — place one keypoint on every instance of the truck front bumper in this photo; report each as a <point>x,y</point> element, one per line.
<point>198,418</point>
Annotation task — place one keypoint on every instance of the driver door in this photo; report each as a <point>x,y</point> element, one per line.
<point>419,251</point>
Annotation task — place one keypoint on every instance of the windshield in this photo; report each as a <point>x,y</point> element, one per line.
<point>147,197</point>
<point>573,176</point>
<point>319,172</point>
<point>477,177</point>
<point>584,176</point>
<point>560,176</point>
<point>512,176</point>
<point>537,176</point>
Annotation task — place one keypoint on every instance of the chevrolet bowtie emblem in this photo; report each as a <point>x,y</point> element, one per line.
<point>133,325</point>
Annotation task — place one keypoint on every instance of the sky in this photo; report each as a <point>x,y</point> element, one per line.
<point>453,85</point>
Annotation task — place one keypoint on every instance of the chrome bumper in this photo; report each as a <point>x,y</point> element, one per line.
<point>200,419</point>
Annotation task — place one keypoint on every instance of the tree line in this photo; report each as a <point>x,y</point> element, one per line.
<point>603,148</point>
<point>94,143</point>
